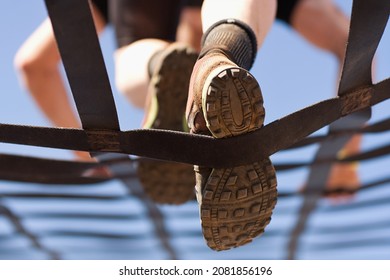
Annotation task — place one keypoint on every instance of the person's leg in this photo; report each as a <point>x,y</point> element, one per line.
<point>142,28</point>
<point>153,72</point>
<point>139,44</point>
<point>260,16</point>
<point>257,16</point>
<point>132,68</point>
<point>345,175</point>
<point>168,182</point>
<point>131,59</point>
<point>190,27</point>
<point>324,25</point>
<point>37,62</point>
<point>225,101</point>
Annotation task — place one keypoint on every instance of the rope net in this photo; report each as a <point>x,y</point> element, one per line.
<point>72,212</point>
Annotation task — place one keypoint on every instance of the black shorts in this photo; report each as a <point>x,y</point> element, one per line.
<point>192,3</point>
<point>140,19</point>
<point>102,6</point>
<point>285,10</point>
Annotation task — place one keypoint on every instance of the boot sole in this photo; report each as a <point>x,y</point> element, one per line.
<point>170,182</point>
<point>236,204</point>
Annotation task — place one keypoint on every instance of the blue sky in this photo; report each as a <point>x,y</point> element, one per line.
<point>292,75</point>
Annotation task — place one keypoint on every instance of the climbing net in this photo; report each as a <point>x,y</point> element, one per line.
<point>346,115</point>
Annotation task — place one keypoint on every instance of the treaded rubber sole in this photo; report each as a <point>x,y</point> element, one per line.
<point>170,182</point>
<point>167,182</point>
<point>236,204</point>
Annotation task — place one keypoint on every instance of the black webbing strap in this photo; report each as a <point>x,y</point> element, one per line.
<point>39,170</point>
<point>47,171</point>
<point>198,149</point>
<point>368,22</point>
<point>362,156</point>
<point>369,185</point>
<point>83,62</point>
<point>21,228</point>
<point>377,127</point>
<point>50,171</point>
<point>193,149</point>
<point>363,41</point>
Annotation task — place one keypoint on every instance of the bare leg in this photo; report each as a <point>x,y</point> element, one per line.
<point>131,69</point>
<point>37,61</point>
<point>153,74</point>
<point>225,101</point>
<point>325,26</point>
<point>345,175</point>
<point>258,14</point>
<point>190,27</point>
<point>131,62</point>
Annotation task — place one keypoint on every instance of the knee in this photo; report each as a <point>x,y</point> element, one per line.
<point>131,69</point>
<point>323,24</point>
<point>132,88</point>
<point>28,64</point>
<point>24,64</point>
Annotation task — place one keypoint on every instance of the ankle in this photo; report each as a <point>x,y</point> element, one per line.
<point>233,39</point>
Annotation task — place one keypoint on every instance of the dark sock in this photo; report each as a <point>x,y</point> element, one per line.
<point>234,39</point>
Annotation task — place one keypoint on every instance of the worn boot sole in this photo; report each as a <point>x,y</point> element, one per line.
<point>169,182</point>
<point>236,204</point>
